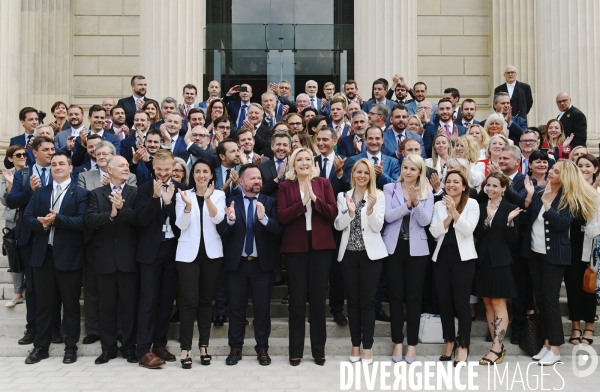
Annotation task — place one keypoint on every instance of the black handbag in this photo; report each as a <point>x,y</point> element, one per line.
<point>531,339</point>
<point>9,249</point>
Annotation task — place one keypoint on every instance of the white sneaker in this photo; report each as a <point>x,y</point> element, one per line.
<point>549,359</point>
<point>13,302</point>
<point>541,354</point>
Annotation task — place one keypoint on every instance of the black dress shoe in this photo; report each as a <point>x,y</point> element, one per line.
<point>36,355</point>
<point>320,361</point>
<point>220,320</point>
<point>131,356</point>
<point>234,357</point>
<point>295,361</point>
<point>105,357</point>
<point>515,338</point>
<point>91,338</point>
<point>57,338</point>
<point>263,358</point>
<point>340,319</point>
<point>381,316</point>
<point>247,322</point>
<point>70,355</point>
<point>27,337</point>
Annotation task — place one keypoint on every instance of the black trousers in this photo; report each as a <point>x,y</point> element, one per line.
<point>582,305</point>
<point>221,301</point>
<point>361,276</point>
<point>308,273</point>
<point>47,280</point>
<point>91,304</point>
<point>249,278</point>
<point>547,279</point>
<point>197,280</point>
<point>453,279</point>
<point>524,300</point>
<point>157,293</point>
<point>118,293</point>
<point>405,279</point>
<point>336,287</point>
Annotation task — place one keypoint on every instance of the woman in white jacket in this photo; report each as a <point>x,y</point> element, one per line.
<point>454,220</point>
<point>199,256</point>
<point>360,217</point>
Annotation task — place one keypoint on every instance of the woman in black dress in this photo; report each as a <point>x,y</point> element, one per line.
<point>496,232</point>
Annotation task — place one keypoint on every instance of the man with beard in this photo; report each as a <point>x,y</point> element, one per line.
<point>351,92</point>
<point>273,171</point>
<point>394,137</point>
<point>64,141</point>
<point>135,102</point>
<point>419,93</point>
<point>445,126</point>
<point>399,89</point>
<point>172,138</point>
<point>131,143</point>
<point>141,162</point>
<point>119,128</point>
<point>246,143</point>
<point>355,143</point>
<point>468,108</point>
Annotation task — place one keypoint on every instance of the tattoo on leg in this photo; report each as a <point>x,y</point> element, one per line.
<point>499,335</point>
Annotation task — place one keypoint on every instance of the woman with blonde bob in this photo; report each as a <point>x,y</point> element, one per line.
<point>409,207</point>
<point>481,136</point>
<point>441,152</point>
<point>496,125</point>
<point>362,251</point>
<point>306,207</point>
<point>467,147</point>
<point>493,153</point>
<point>552,209</point>
<point>414,124</point>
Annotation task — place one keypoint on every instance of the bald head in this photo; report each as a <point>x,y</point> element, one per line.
<point>563,101</point>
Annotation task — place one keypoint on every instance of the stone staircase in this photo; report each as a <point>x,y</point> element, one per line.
<point>12,326</point>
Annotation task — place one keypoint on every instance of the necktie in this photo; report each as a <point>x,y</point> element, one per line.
<point>525,165</point>
<point>44,177</point>
<point>227,174</point>
<point>313,103</point>
<point>363,146</point>
<point>249,247</point>
<point>447,128</point>
<point>57,193</point>
<point>338,130</point>
<point>466,124</point>
<point>278,163</point>
<point>117,188</point>
<point>324,168</point>
<point>29,137</point>
<point>375,160</point>
<point>243,114</point>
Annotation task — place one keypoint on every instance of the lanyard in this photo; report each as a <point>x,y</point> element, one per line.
<point>58,198</point>
<point>40,174</point>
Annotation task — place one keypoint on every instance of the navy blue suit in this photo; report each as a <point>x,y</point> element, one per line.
<point>430,132</point>
<point>180,149</point>
<point>345,129</point>
<point>126,145</point>
<point>391,169</point>
<point>345,146</point>
<point>233,109</point>
<point>130,108</point>
<point>21,141</point>
<point>390,143</point>
<point>83,157</point>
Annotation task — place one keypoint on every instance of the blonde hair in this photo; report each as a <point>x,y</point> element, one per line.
<point>496,117</point>
<point>291,173</point>
<point>577,195</point>
<point>471,147</point>
<point>462,162</point>
<point>422,180</point>
<point>418,121</point>
<point>485,137</point>
<point>504,139</point>
<point>572,156</point>
<point>434,155</point>
<point>372,187</point>
<point>561,138</point>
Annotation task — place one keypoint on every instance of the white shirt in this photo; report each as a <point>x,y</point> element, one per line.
<point>538,240</point>
<point>38,172</point>
<point>93,165</point>
<point>58,194</point>
<point>112,186</point>
<point>561,113</point>
<point>263,221</point>
<point>102,173</point>
<point>450,126</point>
<point>511,88</point>
<point>101,133</point>
<point>75,131</point>
<point>329,163</point>
<point>308,213</point>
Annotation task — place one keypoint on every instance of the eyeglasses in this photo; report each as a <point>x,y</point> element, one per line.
<point>562,101</point>
<point>295,124</point>
<point>20,155</point>
<point>199,136</point>
<point>510,72</point>
<point>103,154</point>
<point>528,141</point>
<point>177,171</point>
<point>223,127</point>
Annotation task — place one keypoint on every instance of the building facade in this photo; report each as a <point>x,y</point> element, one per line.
<point>81,51</point>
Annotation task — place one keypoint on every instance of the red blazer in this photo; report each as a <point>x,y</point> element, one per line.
<point>290,213</point>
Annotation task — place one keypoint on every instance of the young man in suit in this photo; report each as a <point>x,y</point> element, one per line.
<point>445,125</point>
<point>135,102</point>
<point>56,218</point>
<point>468,108</point>
<point>190,93</point>
<point>96,117</point>
<point>141,162</point>
<point>61,140</point>
<point>419,93</point>
<point>137,137</point>
<point>337,107</point>
<point>250,230</point>
<point>155,206</point>
<point>29,120</point>
<point>118,128</point>
<point>380,89</point>
<point>273,171</point>
<point>355,143</point>
<point>521,99</point>
<point>515,124</point>
<point>172,138</point>
<point>572,119</point>
<point>393,137</point>
<point>112,217</point>
<point>238,111</point>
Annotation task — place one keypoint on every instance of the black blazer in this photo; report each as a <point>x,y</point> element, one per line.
<point>130,109</point>
<point>556,228</point>
<point>574,121</point>
<point>69,225</point>
<point>522,99</point>
<point>115,241</point>
<point>266,237</point>
<point>262,138</point>
<point>338,184</point>
<point>497,238</point>
<point>268,173</point>
<point>151,218</point>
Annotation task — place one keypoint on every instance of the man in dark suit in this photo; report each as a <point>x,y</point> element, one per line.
<point>172,137</point>
<point>380,88</point>
<point>56,217</point>
<point>572,119</point>
<point>337,118</point>
<point>250,230</point>
<point>65,140</point>
<point>141,162</point>
<point>113,219</point>
<point>393,137</point>
<point>262,129</point>
<point>238,111</point>
<point>136,101</point>
<point>515,124</point>
<point>155,206</point>
<point>96,117</point>
<point>118,127</point>
<point>521,99</point>
<point>355,143</point>
<point>269,104</point>
<point>141,120</point>
<point>445,125</point>
<point>168,106</point>
<point>273,171</point>
<point>453,95</point>
<point>29,120</point>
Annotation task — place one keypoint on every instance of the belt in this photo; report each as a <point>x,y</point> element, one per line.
<point>249,258</point>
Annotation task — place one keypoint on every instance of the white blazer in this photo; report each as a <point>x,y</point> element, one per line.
<point>476,175</point>
<point>189,223</point>
<point>464,228</point>
<point>371,225</point>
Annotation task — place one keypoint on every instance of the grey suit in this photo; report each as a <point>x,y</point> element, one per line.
<point>90,180</point>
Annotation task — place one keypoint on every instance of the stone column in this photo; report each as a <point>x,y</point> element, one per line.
<point>172,46</point>
<point>381,52</point>
<point>514,43</point>
<point>10,70</point>
<point>568,58</point>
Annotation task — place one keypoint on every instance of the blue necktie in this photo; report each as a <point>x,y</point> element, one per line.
<point>280,108</point>
<point>324,168</point>
<point>250,227</point>
<point>43,176</point>
<point>278,163</point>
<point>375,160</point>
<point>243,114</point>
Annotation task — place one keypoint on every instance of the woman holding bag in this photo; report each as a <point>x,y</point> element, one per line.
<point>360,218</point>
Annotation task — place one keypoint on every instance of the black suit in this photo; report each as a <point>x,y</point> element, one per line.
<point>574,121</point>
<point>130,109</point>
<point>268,172</point>
<point>254,275</point>
<point>521,100</point>
<point>262,137</point>
<point>158,272</point>
<point>114,243</point>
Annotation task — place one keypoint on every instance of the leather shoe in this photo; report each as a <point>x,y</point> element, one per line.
<point>151,361</point>
<point>57,338</point>
<point>91,338</point>
<point>162,353</point>
<point>381,316</point>
<point>131,356</point>
<point>340,319</point>
<point>220,320</point>
<point>70,355</point>
<point>105,357</point>
<point>295,362</point>
<point>263,358</point>
<point>234,357</point>
<point>320,361</point>
<point>36,355</point>
<point>27,338</point>
<point>516,337</point>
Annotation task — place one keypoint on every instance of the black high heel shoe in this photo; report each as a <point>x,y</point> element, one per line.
<point>446,357</point>
<point>186,363</point>
<point>465,361</point>
<point>205,359</point>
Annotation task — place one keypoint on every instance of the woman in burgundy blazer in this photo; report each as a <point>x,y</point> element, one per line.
<point>307,245</point>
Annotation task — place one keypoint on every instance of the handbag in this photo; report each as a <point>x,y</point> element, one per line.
<point>589,280</point>
<point>430,328</point>
<point>531,339</point>
<point>9,248</point>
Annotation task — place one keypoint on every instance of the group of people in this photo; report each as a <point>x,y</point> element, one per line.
<point>402,199</point>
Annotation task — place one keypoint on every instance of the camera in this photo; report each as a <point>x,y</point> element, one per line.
<point>41,117</point>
